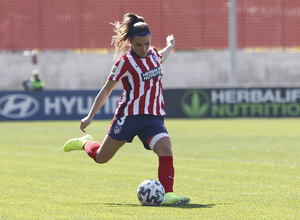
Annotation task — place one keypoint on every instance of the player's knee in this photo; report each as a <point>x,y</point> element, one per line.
<point>163,147</point>
<point>166,150</point>
<point>101,159</point>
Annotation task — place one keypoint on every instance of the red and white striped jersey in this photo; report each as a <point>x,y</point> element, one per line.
<point>141,79</point>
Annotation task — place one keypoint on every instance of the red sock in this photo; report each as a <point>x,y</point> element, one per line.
<point>91,148</point>
<point>166,173</point>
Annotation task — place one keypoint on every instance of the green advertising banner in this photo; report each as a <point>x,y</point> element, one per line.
<point>237,102</point>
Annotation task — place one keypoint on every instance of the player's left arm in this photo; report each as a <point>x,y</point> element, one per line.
<point>166,51</point>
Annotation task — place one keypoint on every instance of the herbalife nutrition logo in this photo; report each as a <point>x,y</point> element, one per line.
<point>195,103</point>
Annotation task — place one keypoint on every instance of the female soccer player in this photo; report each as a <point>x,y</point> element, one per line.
<point>141,108</point>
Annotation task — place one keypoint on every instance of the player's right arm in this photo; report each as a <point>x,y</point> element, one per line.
<point>98,103</point>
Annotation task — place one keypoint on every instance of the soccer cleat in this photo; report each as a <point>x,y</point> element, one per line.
<point>171,199</point>
<point>77,143</point>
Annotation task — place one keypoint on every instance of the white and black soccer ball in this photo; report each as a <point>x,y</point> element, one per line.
<point>151,193</point>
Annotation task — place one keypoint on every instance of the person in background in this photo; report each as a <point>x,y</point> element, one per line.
<point>34,83</point>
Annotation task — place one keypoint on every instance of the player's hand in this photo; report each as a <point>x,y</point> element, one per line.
<point>85,122</point>
<point>171,40</point>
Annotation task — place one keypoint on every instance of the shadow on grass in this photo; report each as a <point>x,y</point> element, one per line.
<point>189,206</point>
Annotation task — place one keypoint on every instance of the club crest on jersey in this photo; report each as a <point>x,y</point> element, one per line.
<point>150,74</point>
<point>113,71</point>
<point>117,129</point>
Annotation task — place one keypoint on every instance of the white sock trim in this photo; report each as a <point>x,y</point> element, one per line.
<point>157,138</point>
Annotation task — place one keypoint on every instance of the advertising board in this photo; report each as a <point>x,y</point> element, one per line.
<point>180,103</point>
<point>229,103</point>
<point>54,105</point>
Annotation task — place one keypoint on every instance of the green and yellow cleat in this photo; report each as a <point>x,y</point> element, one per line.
<point>171,199</point>
<point>77,143</point>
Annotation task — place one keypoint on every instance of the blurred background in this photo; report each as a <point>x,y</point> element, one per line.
<point>252,43</point>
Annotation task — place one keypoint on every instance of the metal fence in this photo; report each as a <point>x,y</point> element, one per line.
<point>218,42</point>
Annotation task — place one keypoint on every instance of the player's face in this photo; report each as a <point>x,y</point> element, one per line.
<point>141,44</point>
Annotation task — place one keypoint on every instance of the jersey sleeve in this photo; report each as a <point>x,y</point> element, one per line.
<point>118,70</point>
<point>158,54</point>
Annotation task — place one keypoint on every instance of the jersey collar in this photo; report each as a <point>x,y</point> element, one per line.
<point>135,55</point>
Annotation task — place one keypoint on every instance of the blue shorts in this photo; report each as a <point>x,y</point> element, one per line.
<point>146,127</point>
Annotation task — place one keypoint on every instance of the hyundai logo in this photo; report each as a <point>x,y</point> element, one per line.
<point>18,106</point>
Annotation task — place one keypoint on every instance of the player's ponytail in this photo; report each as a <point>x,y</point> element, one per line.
<point>125,31</point>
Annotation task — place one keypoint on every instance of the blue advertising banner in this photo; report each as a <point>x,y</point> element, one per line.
<point>54,105</point>
<point>180,103</point>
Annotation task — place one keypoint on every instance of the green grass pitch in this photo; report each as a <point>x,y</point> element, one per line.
<point>231,169</point>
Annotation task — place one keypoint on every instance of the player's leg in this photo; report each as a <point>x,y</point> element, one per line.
<point>165,168</point>
<point>155,137</point>
<point>119,133</point>
<point>108,149</point>
<point>101,153</point>
<point>163,147</point>
<point>163,150</point>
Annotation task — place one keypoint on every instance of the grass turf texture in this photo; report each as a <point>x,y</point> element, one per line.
<point>231,169</point>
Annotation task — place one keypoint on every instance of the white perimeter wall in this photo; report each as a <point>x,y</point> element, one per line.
<point>183,69</point>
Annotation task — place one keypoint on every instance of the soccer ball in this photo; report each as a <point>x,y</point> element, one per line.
<point>150,192</point>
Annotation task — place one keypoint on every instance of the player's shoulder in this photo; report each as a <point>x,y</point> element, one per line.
<point>123,60</point>
<point>154,51</point>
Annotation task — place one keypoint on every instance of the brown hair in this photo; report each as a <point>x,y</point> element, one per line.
<point>132,25</point>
